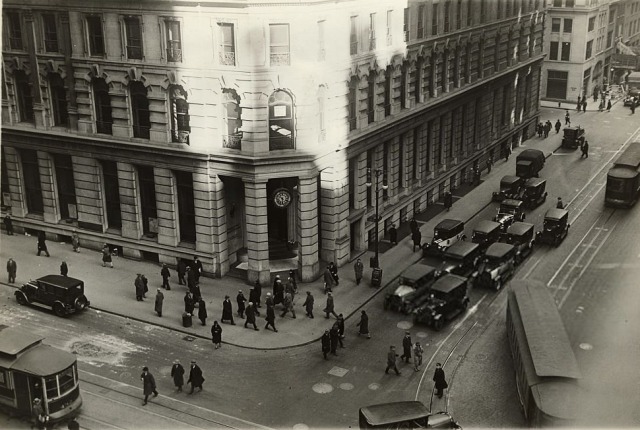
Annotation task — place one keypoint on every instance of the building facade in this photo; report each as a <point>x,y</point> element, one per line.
<point>580,39</point>
<point>243,132</point>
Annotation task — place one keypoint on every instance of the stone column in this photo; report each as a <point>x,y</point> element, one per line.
<point>167,207</point>
<point>307,213</point>
<point>49,192</point>
<point>257,232</point>
<point>88,192</point>
<point>129,201</point>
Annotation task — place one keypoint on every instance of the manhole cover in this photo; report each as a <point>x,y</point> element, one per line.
<point>422,334</point>
<point>405,325</point>
<point>374,386</point>
<point>586,346</point>
<point>481,357</point>
<point>189,338</point>
<point>322,388</point>
<point>338,371</point>
<point>346,386</point>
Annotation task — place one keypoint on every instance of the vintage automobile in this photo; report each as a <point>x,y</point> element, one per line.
<point>445,234</point>
<point>533,193</point>
<point>509,188</point>
<point>486,233</point>
<point>529,163</point>
<point>460,259</point>
<point>510,211</point>
<point>404,415</point>
<point>447,299</point>
<point>497,266</point>
<point>520,235</point>
<point>62,294</point>
<point>555,227</point>
<point>412,284</point>
<point>573,137</point>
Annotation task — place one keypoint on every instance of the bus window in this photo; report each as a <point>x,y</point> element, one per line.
<point>66,380</point>
<point>52,387</point>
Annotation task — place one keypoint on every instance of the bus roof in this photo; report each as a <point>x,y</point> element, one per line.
<point>389,413</point>
<point>14,341</point>
<point>630,157</point>
<point>547,338</point>
<point>622,172</point>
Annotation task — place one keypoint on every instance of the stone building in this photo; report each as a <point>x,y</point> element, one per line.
<point>243,132</point>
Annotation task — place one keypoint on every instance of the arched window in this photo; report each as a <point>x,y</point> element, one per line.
<point>179,114</point>
<point>58,100</point>
<point>281,122</point>
<point>231,116</point>
<point>140,110</point>
<point>102,101</point>
<point>24,96</point>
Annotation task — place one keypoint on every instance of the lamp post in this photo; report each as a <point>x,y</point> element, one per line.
<point>379,173</point>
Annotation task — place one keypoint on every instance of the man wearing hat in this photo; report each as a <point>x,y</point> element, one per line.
<point>195,377</point>
<point>39,418</point>
<point>148,384</point>
<point>241,299</point>
<point>177,373</point>
<point>406,346</point>
<point>328,310</point>
<point>251,316</point>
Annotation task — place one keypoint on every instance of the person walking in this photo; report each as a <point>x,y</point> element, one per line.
<point>416,236</point>
<point>241,299</point>
<point>489,164</point>
<point>417,356</point>
<point>547,128</point>
<point>391,361</point>
<point>75,242</point>
<point>507,151</point>
<point>182,271</point>
<point>159,302</point>
<point>328,280</point>
<point>579,103</point>
<point>363,324</point>
<point>584,105</point>
<point>8,224</point>
<point>340,325</point>
<point>293,280</point>
<point>145,286</point>
<point>558,126</point>
<point>439,379</point>
<point>559,204</point>
<point>195,377</point>
<point>253,298</point>
<point>12,270</point>
<point>257,290</point>
<point>139,284</point>
<point>609,106</point>
<point>177,373</point>
<point>308,304</point>
<point>334,337</point>
<point>271,318</point>
<point>148,384</point>
<point>278,291</point>
<point>106,256</point>
<point>407,344</point>
<point>202,311</point>
<point>288,306</point>
<point>633,110</point>
<point>326,343</point>
<point>227,311</point>
<point>42,244</point>
<point>585,149</point>
<point>165,277</point>
<point>334,273</point>
<point>191,277</point>
<point>448,200</point>
<point>196,266</point>
<point>189,303</point>
<point>216,335</point>
<point>567,117</point>
<point>64,269</point>
<point>393,235</point>
<point>329,310</point>
<point>251,316</point>
<point>358,269</point>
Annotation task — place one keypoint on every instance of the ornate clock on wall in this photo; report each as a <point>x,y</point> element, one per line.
<point>282,198</point>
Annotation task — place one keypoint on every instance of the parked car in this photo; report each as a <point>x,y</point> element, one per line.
<point>448,298</point>
<point>445,234</point>
<point>486,233</point>
<point>460,259</point>
<point>573,137</point>
<point>520,235</point>
<point>555,228</point>
<point>404,415</point>
<point>529,163</point>
<point>62,294</point>
<point>497,266</point>
<point>509,188</point>
<point>510,211</point>
<point>533,193</point>
<point>412,284</point>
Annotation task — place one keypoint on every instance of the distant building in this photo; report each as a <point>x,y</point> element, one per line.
<point>242,132</point>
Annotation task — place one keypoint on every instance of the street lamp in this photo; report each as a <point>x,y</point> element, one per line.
<point>375,263</point>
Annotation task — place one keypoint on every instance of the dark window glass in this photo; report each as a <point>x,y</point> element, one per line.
<point>434,19</point>
<point>140,110</point>
<point>589,50</point>
<point>133,31</point>
<point>96,37</point>
<point>227,49</point>
<point>112,193</point>
<point>4,180</point>
<point>15,30</point>
<point>148,207</point>
<point>371,99</point>
<point>24,96</point>
<point>447,11</point>
<point>417,90</point>
<point>553,51</point>
<point>557,84</point>
<point>66,185</point>
<point>568,26</point>
<point>102,101</point>
<point>32,184</point>
<point>50,31</point>
<point>388,80</point>
<point>179,114</point>
<point>566,51</point>
<point>174,41</point>
<point>232,119</point>
<point>353,104</point>
<point>555,25</point>
<point>420,21</point>
<point>281,121</point>
<point>403,87</point>
<point>58,100</point>
<point>186,207</point>
<point>569,3</point>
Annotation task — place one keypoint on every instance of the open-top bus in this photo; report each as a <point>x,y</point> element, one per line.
<point>30,369</point>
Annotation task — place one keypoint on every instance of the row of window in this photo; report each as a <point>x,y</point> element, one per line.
<point>280,105</point>
<point>561,51</point>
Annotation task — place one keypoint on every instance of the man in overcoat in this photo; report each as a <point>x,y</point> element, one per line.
<point>182,271</point>
<point>334,273</point>
<point>288,306</point>
<point>165,276</point>
<point>416,236</point>
<point>253,298</point>
<point>358,269</point>
<point>329,308</point>
<point>406,347</point>
<point>202,311</point>
<point>334,337</point>
<point>326,343</point>
<point>139,284</point>
<point>12,269</point>
<point>251,316</point>
<point>241,299</point>
<point>195,377</point>
<point>227,311</point>
<point>189,303</point>
<point>159,302</point>
<point>363,324</point>
<point>177,373</point>
<point>148,384</point>
<point>328,280</point>
<point>391,360</point>
<point>257,290</point>
<point>439,379</point>
<point>271,318</point>
<point>197,267</point>
<point>308,304</point>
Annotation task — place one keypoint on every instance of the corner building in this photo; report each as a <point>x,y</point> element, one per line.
<point>242,131</point>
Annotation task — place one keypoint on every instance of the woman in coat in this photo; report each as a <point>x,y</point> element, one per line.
<point>106,256</point>
<point>439,379</point>
<point>216,334</point>
<point>364,325</point>
<point>177,373</point>
<point>202,312</point>
<point>159,302</point>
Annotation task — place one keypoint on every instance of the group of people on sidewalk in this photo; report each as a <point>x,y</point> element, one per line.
<point>177,374</point>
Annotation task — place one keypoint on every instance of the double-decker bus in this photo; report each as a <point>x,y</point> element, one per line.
<point>30,369</point>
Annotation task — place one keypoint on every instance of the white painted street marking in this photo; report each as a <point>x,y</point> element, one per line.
<point>374,386</point>
<point>405,325</point>
<point>322,388</point>
<point>346,386</point>
<point>338,371</point>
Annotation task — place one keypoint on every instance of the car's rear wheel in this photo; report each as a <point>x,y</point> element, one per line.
<point>59,310</point>
<point>21,299</point>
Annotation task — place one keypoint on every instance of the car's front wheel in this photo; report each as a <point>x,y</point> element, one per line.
<point>59,310</point>
<point>21,299</point>
<point>497,285</point>
<point>80,303</point>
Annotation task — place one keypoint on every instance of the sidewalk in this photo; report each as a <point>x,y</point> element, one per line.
<point>112,290</point>
<point>591,105</point>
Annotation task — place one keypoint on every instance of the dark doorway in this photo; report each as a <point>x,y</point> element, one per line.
<point>280,204</point>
